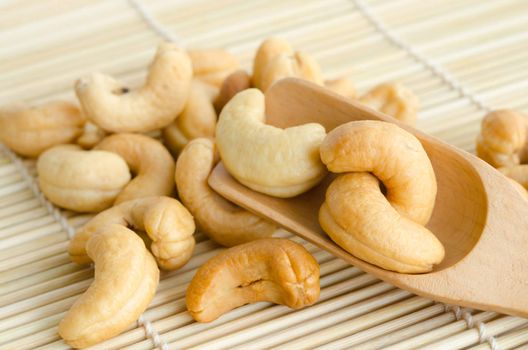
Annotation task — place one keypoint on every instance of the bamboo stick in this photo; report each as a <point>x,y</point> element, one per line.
<point>507,341</point>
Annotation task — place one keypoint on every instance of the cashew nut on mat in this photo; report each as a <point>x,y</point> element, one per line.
<point>275,60</point>
<point>393,99</point>
<point>342,87</point>
<point>384,230</point>
<point>267,159</point>
<point>212,66</point>
<point>116,108</point>
<point>166,221</point>
<point>221,220</point>
<point>198,119</point>
<point>126,278</point>
<point>502,138</point>
<point>29,131</point>
<point>148,159</point>
<point>83,181</point>
<point>273,269</point>
<point>233,84</point>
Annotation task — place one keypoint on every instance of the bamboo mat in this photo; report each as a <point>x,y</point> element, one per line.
<point>460,57</point>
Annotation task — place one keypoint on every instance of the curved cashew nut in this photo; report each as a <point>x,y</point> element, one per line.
<point>148,159</point>
<point>274,161</point>
<point>342,87</point>
<point>518,173</point>
<point>126,278</point>
<point>29,131</point>
<point>267,51</point>
<point>386,230</point>
<point>91,136</point>
<point>212,66</point>
<point>221,220</point>
<point>83,181</point>
<point>502,138</point>
<point>166,221</point>
<point>395,100</point>
<point>113,107</point>
<point>273,269</point>
<point>198,119</point>
<point>233,84</point>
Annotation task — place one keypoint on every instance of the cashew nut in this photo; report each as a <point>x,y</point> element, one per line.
<point>386,231</point>
<point>221,220</point>
<point>83,181</point>
<point>91,136</point>
<point>273,269</point>
<point>212,65</point>
<point>275,60</point>
<point>113,107</point>
<point>126,278</point>
<point>148,159</point>
<point>270,160</point>
<point>233,84</point>
<point>29,131</point>
<point>342,87</point>
<point>518,173</point>
<point>166,221</point>
<point>198,119</point>
<point>502,138</point>
<point>395,100</point>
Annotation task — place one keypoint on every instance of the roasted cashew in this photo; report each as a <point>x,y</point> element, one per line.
<point>113,107</point>
<point>29,131</point>
<point>83,181</point>
<point>275,60</point>
<point>221,220</point>
<point>395,100</point>
<point>198,119</point>
<point>233,84</point>
<point>386,231</point>
<point>91,136</point>
<point>342,87</point>
<point>273,269</point>
<point>148,159</point>
<point>502,138</point>
<point>270,160</point>
<point>126,278</point>
<point>166,221</point>
<point>213,65</point>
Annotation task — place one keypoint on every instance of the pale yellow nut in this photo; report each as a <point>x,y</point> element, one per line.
<point>91,136</point>
<point>213,65</point>
<point>29,131</point>
<point>267,159</point>
<point>299,65</point>
<point>116,108</point>
<point>342,87</point>
<point>502,139</point>
<point>233,84</point>
<point>83,181</point>
<point>222,221</point>
<point>166,221</point>
<point>198,119</point>
<point>266,52</point>
<point>384,230</point>
<point>393,99</point>
<point>126,278</point>
<point>274,269</point>
<point>149,161</point>
<point>518,173</point>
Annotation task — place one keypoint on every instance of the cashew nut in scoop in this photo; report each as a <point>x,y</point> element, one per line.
<point>149,161</point>
<point>502,139</point>
<point>212,66</point>
<point>221,220</point>
<point>126,278</point>
<point>342,87</point>
<point>83,181</point>
<point>267,159</point>
<point>395,100</point>
<point>384,230</point>
<point>198,119</point>
<point>29,131</point>
<point>115,108</point>
<point>166,221</point>
<point>273,269</point>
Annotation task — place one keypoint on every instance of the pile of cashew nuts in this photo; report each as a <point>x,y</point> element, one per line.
<point>97,157</point>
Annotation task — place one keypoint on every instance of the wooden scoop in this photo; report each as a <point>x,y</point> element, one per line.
<point>479,216</point>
